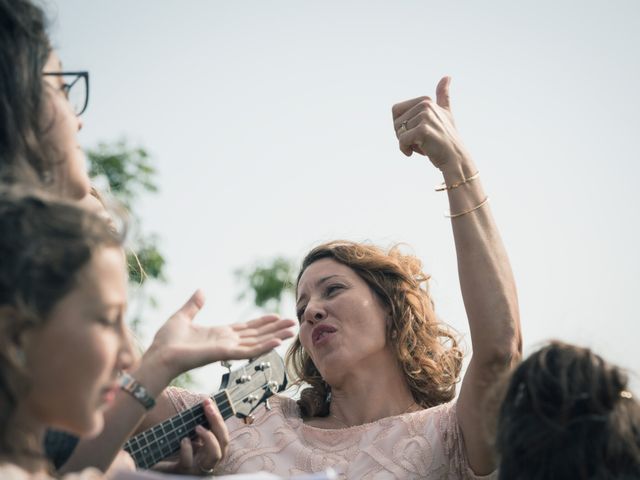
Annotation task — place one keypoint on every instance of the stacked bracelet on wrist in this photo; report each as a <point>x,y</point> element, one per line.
<point>443,187</point>
<point>137,391</point>
<point>472,209</point>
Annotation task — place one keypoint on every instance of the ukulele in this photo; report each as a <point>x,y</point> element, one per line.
<point>241,391</point>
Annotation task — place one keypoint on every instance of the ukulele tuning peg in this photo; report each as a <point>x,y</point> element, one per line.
<point>263,366</point>
<point>244,379</point>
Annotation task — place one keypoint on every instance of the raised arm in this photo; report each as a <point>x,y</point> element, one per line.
<point>180,345</point>
<point>488,289</point>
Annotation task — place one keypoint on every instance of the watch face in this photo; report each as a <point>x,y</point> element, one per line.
<point>137,391</point>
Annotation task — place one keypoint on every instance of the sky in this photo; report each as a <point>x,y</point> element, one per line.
<point>270,125</point>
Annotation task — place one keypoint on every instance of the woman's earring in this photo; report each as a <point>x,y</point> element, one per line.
<point>394,334</point>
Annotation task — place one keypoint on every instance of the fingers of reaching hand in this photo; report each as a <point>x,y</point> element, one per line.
<point>265,327</point>
<point>193,305</point>
<point>252,346</point>
<point>259,322</point>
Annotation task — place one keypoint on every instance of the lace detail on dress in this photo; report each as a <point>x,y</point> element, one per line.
<point>454,447</point>
<point>426,444</point>
<point>182,399</point>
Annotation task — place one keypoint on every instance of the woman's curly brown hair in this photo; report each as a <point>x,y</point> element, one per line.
<point>426,349</point>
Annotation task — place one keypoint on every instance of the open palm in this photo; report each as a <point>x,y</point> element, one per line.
<point>183,345</point>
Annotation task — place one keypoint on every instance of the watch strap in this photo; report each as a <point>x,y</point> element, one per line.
<point>137,391</point>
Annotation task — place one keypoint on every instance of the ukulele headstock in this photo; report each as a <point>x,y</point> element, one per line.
<point>253,383</point>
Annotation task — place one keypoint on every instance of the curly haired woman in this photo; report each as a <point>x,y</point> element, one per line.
<point>380,368</point>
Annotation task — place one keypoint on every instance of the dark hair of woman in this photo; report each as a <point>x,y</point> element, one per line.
<point>43,245</point>
<point>24,50</point>
<point>568,414</point>
<point>426,348</point>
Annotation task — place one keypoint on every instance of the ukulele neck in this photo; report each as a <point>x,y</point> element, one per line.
<point>157,443</point>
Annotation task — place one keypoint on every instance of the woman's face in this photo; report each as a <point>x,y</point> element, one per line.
<point>75,357</point>
<point>61,126</point>
<point>343,323</point>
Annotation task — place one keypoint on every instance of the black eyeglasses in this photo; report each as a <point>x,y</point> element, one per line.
<point>75,88</point>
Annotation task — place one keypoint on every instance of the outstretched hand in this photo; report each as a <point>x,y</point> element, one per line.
<point>428,128</point>
<point>181,345</point>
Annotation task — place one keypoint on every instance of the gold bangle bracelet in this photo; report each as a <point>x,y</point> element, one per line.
<point>456,215</point>
<point>443,187</point>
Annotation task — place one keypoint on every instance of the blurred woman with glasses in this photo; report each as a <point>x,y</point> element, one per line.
<point>38,124</point>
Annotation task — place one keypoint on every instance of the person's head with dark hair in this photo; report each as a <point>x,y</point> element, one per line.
<point>568,414</point>
<point>62,334</point>
<point>398,319</point>
<point>38,124</point>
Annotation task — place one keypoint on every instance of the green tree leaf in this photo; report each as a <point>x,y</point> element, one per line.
<point>267,282</point>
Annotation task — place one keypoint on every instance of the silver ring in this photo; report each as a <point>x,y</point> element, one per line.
<point>402,129</point>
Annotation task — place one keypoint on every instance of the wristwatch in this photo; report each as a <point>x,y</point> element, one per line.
<point>137,391</point>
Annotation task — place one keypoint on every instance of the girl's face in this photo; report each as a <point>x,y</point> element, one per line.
<point>74,359</point>
<point>61,126</point>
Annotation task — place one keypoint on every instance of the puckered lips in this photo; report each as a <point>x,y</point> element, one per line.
<point>322,332</point>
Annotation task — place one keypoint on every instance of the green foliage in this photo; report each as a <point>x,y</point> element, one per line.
<point>183,381</point>
<point>146,262</point>
<point>128,170</point>
<point>268,282</point>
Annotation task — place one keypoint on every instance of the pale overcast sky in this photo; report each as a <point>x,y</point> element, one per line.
<point>270,124</point>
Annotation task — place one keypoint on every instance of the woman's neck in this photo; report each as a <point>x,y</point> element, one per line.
<point>368,394</point>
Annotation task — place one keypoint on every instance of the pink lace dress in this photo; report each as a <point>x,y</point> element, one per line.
<point>426,444</point>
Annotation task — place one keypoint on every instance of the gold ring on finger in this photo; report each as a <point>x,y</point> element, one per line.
<point>403,128</point>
